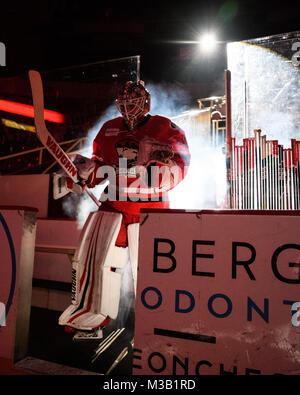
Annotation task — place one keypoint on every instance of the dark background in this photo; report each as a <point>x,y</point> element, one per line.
<point>61,33</point>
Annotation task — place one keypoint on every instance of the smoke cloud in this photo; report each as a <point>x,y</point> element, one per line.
<point>204,186</point>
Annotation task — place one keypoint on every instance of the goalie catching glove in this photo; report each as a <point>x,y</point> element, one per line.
<point>62,184</point>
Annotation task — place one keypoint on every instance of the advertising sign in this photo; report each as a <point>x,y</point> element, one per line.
<point>218,293</point>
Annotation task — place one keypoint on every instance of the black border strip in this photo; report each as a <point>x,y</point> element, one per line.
<point>185,335</point>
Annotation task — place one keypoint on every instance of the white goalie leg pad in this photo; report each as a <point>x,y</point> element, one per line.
<point>96,288</point>
<point>133,246</point>
<point>111,287</point>
<point>78,265</point>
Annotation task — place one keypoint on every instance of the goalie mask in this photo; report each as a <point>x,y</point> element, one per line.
<point>133,102</point>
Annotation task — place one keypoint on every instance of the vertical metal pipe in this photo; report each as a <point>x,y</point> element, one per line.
<point>258,167</point>
<point>245,172</point>
<point>228,135</point>
<point>268,174</point>
<point>252,173</point>
<point>295,160</point>
<point>289,155</point>
<point>297,171</point>
<point>241,183</point>
<point>285,179</point>
<point>263,170</point>
<point>275,149</point>
<point>234,174</point>
<point>281,176</point>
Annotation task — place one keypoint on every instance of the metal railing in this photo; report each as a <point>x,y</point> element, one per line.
<point>79,142</point>
<point>264,174</point>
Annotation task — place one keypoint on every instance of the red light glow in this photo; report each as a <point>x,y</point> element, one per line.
<point>27,111</point>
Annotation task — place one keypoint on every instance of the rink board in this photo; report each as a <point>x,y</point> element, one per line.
<point>17,243</point>
<point>26,190</point>
<point>218,293</point>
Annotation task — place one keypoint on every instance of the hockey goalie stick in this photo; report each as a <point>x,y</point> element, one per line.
<point>45,136</point>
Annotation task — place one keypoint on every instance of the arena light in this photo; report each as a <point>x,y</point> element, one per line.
<point>27,111</point>
<point>208,42</point>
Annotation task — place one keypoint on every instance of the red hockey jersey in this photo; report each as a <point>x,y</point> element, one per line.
<point>142,164</point>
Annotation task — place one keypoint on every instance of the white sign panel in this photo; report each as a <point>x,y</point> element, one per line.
<point>218,293</point>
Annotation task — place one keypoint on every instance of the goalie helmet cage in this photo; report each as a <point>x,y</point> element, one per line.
<point>262,86</point>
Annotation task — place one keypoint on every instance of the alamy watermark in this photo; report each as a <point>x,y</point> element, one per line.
<point>2,54</point>
<point>296,314</point>
<point>296,56</point>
